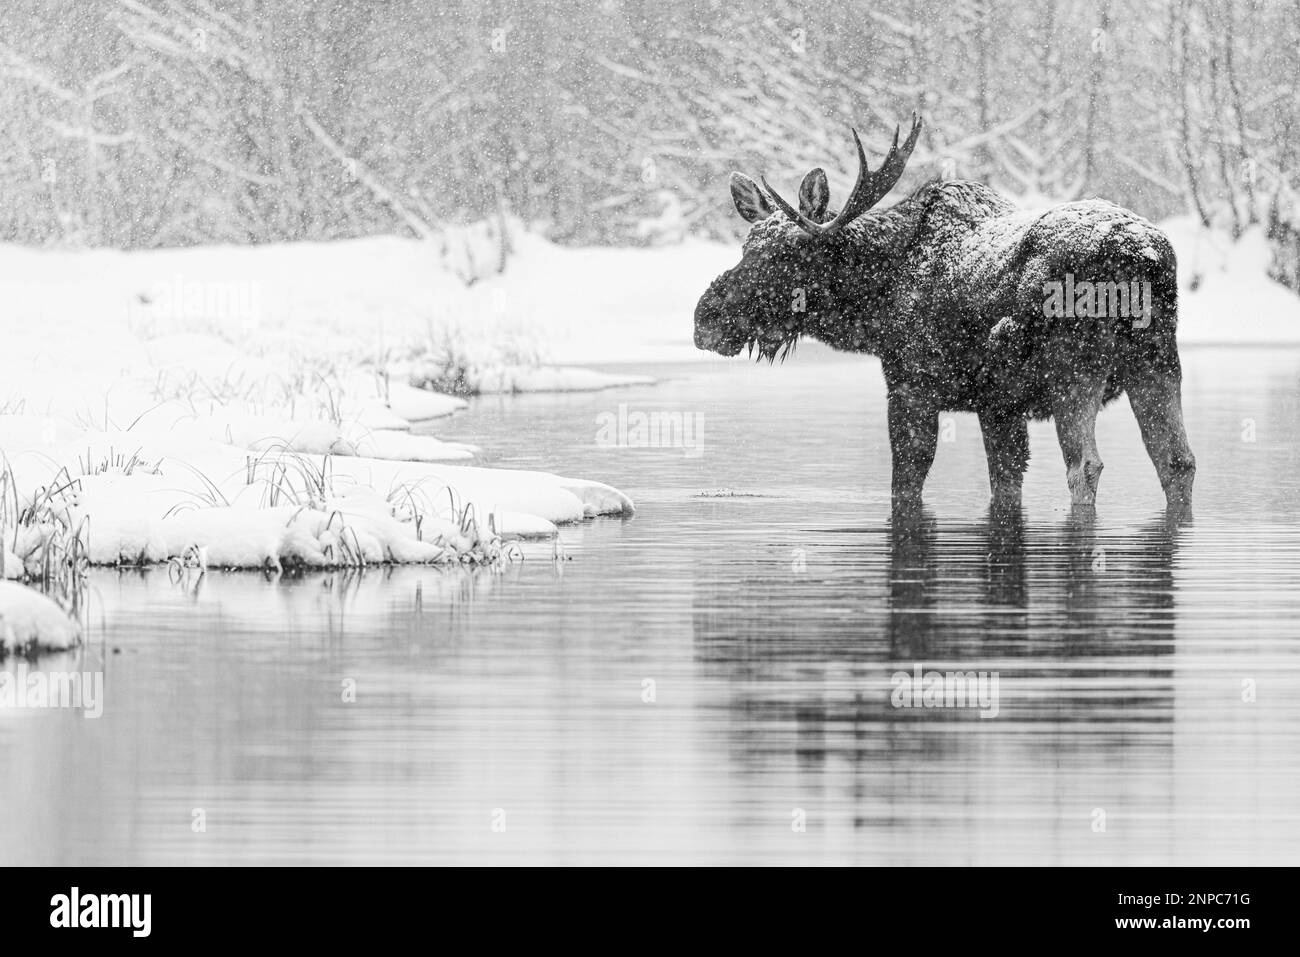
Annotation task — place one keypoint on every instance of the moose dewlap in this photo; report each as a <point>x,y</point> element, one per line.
<point>972,305</point>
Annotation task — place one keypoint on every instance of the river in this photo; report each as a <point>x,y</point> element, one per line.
<point>717,679</point>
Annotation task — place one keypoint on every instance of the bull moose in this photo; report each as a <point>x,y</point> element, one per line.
<point>960,295</point>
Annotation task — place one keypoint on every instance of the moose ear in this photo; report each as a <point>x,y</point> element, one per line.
<point>814,194</point>
<point>751,202</point>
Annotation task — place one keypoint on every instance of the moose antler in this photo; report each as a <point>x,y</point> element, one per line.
<point>869,189</point>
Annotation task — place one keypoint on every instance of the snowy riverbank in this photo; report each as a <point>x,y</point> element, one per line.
<point>253,407</point>
<point>249,408</point>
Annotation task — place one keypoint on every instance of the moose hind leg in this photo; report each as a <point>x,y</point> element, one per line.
<point>1006,446</point>
<point>1075,411</point>
<point>1156,398</point>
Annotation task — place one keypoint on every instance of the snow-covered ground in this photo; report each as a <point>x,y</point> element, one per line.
<point>1225,294</point>
<point>226,407</point>
<point>29,621</point>
<point>253,406</point>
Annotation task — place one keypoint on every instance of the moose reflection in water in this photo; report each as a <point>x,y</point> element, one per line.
<point>1077,625</point>
<point>1066,613</point>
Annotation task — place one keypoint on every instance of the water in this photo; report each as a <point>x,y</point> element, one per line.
<point>1145,673</point>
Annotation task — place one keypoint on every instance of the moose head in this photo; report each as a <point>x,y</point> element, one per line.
<point>791,278</point>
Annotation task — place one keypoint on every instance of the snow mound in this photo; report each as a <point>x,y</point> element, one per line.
<point>253,407</point>
<point>497,379</point>
<point>30,622</point>
<point>152,495</point>
<point>419,405</point>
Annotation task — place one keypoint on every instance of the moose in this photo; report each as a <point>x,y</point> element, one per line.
<point>969,303</point>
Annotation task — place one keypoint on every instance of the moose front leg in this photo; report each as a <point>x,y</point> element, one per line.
<point>1006,446</point>
<point>913,438</point>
